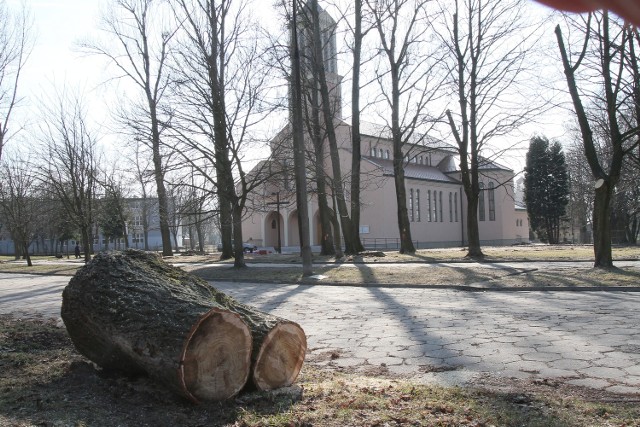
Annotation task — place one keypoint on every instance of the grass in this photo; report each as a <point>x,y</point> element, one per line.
<point>45,381</point>
<point>394,269</point>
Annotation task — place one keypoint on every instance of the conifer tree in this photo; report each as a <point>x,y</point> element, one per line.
<point>546,188</point>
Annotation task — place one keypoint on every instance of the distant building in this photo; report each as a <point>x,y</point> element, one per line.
<point>136,208</point>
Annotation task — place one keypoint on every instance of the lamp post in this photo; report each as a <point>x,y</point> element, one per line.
<point>277,203</point>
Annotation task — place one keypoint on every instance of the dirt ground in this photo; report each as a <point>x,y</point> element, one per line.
<point>45,382</point>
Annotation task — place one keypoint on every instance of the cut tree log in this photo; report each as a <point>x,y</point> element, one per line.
<point>164,298</point>
<point>133,313</point>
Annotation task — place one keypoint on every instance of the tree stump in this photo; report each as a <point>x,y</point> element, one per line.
<point>133,313</point>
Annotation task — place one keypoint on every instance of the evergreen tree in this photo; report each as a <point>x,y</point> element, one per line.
<point>546,188</point>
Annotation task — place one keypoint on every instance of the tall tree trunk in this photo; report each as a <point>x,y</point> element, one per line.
<point>163,206</point>
<point>336,231</point>
<point>602,207</point>
<point>326,241</point>
<point>27,256</point>
<point>473,231</point>
<point>338,185</point>
<point>315,129</point>
<point>605,181</point>
<point>356,138</point>
<point>86,244</point>
<point>298,150</point>
<point>200,234</point>
<point>237,237</point>
<point>404,226</point>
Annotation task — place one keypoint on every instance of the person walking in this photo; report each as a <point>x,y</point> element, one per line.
<point>77,250</point>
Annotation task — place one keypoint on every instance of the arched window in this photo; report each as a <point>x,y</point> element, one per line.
<point>481,203</point>
<point>492,203</point>
<point>373,152</point>
<point>381,154</point>
<point>386,155</point>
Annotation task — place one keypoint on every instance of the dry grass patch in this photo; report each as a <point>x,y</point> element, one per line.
<point>44,382</point>
<point>361,274</point>
<point>430,275</point>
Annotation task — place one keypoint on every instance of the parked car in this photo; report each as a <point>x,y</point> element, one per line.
<point>246,247</point>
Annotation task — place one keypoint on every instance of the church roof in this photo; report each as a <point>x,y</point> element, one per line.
<point>377,130</point>
<point>413,171</point>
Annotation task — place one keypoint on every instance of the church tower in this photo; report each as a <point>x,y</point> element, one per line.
<point>328,28</point>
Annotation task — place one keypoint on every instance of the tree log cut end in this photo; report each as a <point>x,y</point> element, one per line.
<point>217,357</point>
<point>280,357</point>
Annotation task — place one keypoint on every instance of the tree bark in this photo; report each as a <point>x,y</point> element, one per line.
<point>132,312</point>
<point>602,207</point>
<point>356,138</point>
<point>298,150</point>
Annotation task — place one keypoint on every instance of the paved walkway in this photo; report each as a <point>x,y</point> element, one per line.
<point>588,339</point>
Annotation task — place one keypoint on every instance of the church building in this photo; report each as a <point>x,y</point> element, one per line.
<point>435,196</point>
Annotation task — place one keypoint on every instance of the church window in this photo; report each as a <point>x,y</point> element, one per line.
<point>418,205</point>
<point>411,204</point>
<point>381,154</point>
<point>429,205</point>
<point>373,152</point>
<point>492,203</point>
<point>481,203</point>
<point>386,155</point>
<point>455,205</point>
<point>441,217</point>
<point>450,207</point>
<point>435,206</point>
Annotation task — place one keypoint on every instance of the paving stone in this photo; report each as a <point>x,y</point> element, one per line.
<point>620,389</point>
<point>385,361</point>
<point>572,364</point>
<point>402,369</point>
<point>615,362</point>
<point>590,383</point>
<point>632,380</point>
<point>542,357</point>
<point>547,372</point>
<point>601,372</point>
<point>348,362</point>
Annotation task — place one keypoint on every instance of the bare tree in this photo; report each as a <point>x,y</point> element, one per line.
<point>22,204</point>
<point>356,146</point>
<point>297,127</point>
<point>605,73</point>
<point>320,55</point>
<point>70,162</point>
<point>487,43</point>
<point>15,46</point>
<point>113,211</point>
<point>140,53</point>
<point>220,88</point>
<point>143,207</point>
<point>405,77</point>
